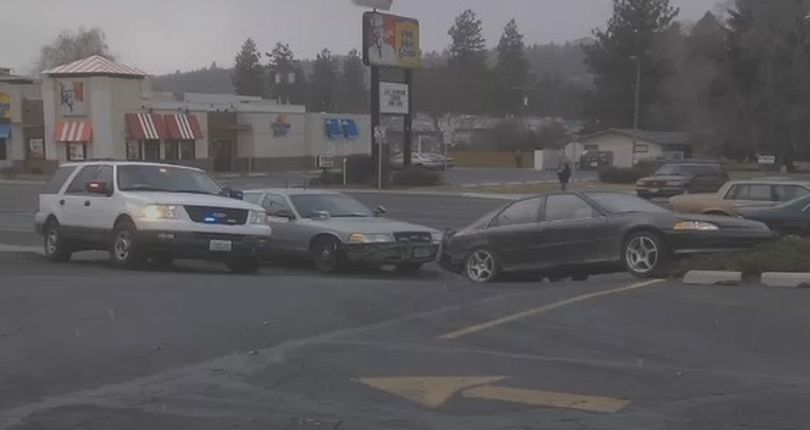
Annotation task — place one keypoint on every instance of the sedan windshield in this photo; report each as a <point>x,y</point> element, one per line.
<point>336,205</point>
<point>166,179</point>
<point>623,203</point>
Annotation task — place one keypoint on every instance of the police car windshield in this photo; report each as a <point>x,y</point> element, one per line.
<point>166,179</point>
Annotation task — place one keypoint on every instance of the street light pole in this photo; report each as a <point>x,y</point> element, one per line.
<point>637,60</point>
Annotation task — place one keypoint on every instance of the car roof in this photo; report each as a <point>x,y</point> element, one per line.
<point>773,181</point>
<point>293,191</point>
<point>125,163</point>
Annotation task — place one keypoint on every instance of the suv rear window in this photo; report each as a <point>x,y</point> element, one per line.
<point>58,179</point>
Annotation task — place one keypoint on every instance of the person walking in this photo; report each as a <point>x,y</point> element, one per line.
<point>518,158</point>
<point>564,174</point>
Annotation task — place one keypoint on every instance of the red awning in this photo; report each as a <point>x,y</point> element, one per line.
<point>183,127</point>
<point>145,126</point>
<point>73,131</point>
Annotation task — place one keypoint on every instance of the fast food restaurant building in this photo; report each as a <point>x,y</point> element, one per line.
<point>97,108</point>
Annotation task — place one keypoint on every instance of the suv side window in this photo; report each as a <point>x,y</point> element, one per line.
<point>58,179</point>
<point>567,207</point>
<point>273,203</point>
<point>105,174</point>
<point>786,193</point>
<point>521,212</point>
<point>87,174</point>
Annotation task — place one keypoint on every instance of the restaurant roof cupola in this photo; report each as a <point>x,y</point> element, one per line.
<point>95,66</point>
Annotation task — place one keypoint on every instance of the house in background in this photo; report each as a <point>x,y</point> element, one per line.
<point>648,145</point>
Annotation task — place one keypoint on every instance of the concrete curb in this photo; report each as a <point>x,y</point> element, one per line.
<point>712,277</point>
<point>786,280</point>
<point>21,249</point>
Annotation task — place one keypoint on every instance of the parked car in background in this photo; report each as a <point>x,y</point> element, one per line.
<point>332,229</point>
<point>149,211</point>
<point>740,194</point>
<point>788,219</point>
<point>450,161</point>
<point>676,178</point>
<point>593,160</point>
<point>580,234</point>
<point>426,160</point>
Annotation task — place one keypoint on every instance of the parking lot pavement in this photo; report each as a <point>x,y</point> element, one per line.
<point>479,176</point>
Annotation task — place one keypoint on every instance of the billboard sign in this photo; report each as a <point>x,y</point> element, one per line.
<point>391,41</point>
<point>394,98</point>
<point>72,98</point>
<point>5,107</point>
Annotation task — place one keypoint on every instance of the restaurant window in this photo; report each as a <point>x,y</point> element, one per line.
<point>188,150</point>
<point>151,150</point>
<point>36,148</point>
<point>76,151</point>
<point>172,150</point>
<point>134,150</point>
<point>3,149</point>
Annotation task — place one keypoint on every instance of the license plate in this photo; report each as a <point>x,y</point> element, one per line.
<point>422,252</point>
<point>220,245</point>
<point>653,190</point>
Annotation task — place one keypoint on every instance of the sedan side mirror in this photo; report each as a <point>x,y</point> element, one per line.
<point>99,187</point>
<point>380,211</point>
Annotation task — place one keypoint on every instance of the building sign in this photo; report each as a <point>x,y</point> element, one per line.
<point>281,126</point>
<point>5,107</point>
<point>393,98</point>
<point>390,40</point>
<point>72,98</point>
<point>36,149</point>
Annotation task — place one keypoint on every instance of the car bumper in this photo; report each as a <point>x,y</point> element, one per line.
<point>685,243</point>
<point>185,244</point>
<point>451,263</point>
<point>652,192</point>
<point>380,254</point>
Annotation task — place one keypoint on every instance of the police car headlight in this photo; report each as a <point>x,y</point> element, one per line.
<point>370,238</point>
<point>158,212</point>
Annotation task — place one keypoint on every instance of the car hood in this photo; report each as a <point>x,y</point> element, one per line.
<point>719,220</point>
<point>370,225</point>
<point>188,199</point>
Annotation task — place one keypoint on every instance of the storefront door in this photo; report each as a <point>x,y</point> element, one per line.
<point>222,151</point>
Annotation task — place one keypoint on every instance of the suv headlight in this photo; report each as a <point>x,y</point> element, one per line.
<point>695,226</point>
<point>158,212</point>
<point>370,238</point>
<point>257,217</point>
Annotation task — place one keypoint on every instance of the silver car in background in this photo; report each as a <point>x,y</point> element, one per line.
<point>333,229</point>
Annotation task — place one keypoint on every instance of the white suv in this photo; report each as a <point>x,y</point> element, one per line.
<point>141,211</point>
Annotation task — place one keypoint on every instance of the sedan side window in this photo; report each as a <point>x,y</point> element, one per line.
<point>521,212</point>
<point>786,193</point>
<point>567,207</point>
<point>273,203</point>
<point>754,192</point>
<point>731,194</point>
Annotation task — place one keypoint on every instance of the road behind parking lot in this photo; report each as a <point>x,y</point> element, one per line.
<point>86,346</point>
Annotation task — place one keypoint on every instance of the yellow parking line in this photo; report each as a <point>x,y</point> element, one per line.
<point>531,312</point>
<point>546,398</point>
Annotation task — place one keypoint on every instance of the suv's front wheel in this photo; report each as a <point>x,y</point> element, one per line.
<point>57,248</point>
<point>124,250</point>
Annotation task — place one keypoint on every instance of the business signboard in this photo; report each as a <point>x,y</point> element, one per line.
<point>390,41</point>
<point>72,98</point>
<point>5,107</point>
<point>393,98</point>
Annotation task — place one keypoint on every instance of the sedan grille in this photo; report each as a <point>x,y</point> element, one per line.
<point>414,237</point>
<point>215,215</point>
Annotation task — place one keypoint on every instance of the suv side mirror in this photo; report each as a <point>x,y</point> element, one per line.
<point>234,194</point>
<point>380,211</point>
<point>283,213</point>
<point>98,187</point>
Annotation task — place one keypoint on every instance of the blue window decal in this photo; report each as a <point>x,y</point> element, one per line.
<point>333,129</point>
<point>350,129</point>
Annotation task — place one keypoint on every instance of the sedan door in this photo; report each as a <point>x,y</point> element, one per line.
<point>515,235</point>
<point>573,232</point>
<point>287,233</point>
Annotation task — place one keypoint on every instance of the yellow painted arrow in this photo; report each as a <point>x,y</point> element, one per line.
<point>434,391</point>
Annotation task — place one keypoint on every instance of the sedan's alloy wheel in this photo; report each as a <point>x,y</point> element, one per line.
<point>642,254</point>
<point>481,266</point>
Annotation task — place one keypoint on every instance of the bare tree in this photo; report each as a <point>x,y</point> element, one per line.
<point>72,46</point>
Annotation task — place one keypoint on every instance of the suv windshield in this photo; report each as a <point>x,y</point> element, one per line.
<point>165,178</point>
<point>337,205</point>
<point>686,169</point>
<point>623,203</point>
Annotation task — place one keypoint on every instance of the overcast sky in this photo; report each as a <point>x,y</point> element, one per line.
<point>161,36</point>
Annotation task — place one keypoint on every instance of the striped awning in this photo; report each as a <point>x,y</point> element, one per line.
<point>183,127</point>
<point>145,126</point>
<point>73,131</point>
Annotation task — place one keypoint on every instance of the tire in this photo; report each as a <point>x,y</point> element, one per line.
<point>645,255</point>
<point>327,255</point>
<point>481,266</point>
<point>57,249</point>
<point>125,253</point>
<point>408,268</point>
<point>243,266</point>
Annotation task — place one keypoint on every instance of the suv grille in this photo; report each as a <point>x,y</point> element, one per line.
<point>214,215</point>
<point>414,237</point>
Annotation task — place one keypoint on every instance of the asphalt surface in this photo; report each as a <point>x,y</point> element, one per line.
<point>85,346</point>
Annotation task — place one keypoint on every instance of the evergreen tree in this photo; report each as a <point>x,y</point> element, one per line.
<point>467,63</point>
<point>354,94</point>
<point>324,83</point>
<point>285,78</point>
<point>511,70</point>
<point>248,72</point>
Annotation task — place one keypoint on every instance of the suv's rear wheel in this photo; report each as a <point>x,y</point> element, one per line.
<point>57,249</point>
<point>125,252</point>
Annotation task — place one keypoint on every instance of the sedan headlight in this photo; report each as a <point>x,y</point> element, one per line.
<point>257,217</point>
<point>370,238</point>
<point>676,183</point>
<point>158,212</point>
<point>695,226</point>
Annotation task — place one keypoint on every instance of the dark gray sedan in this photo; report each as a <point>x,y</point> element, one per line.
<point>579,234</point>
<point>788,219</point>
<point>333,229</point>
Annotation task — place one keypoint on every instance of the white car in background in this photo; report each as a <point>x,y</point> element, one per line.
<point>141,211</point>
<point>427,160</point>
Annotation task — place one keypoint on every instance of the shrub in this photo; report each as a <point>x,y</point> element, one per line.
<point>416,176</point>
<point>621,175</point>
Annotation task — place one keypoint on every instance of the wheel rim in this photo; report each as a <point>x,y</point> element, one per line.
<point>327,255</point>
<point>481,266</point>
<point>52,241</point>
<point>122,246</point>
<point>642,254</point>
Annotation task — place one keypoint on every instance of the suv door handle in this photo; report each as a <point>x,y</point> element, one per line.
<point>87,202</point>
<point>62,202</point>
